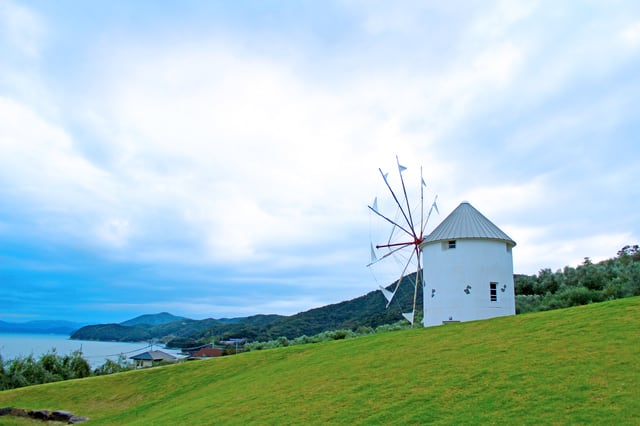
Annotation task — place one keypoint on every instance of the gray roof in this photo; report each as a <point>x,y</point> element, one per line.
<point>466,222</point>
<point>154,356</point>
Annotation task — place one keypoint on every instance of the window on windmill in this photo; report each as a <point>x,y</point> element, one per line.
<point>493,291</point>
<point>452,244</point>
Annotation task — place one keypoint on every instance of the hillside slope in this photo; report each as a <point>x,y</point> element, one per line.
<point>576,365</point>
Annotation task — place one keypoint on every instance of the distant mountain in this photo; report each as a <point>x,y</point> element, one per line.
<point>153,319</point>
<point>40,327</point>
<point>365,311</point>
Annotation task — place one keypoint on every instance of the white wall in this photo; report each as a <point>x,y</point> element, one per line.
<point>474,262</point>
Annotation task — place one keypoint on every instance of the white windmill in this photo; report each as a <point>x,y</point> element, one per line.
<point>401,245</point>
<point>468,269</point>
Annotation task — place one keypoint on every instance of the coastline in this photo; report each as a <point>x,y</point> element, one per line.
<point>14,345</point>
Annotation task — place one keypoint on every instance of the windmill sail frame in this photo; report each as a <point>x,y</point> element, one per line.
<point>413,235</point>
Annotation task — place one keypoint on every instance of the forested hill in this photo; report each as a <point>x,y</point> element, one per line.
<point>364,311</point>
<point>153,319</point>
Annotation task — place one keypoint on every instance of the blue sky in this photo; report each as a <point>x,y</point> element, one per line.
<point>216,159</point>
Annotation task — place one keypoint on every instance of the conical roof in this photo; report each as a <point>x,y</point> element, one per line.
<point>466,222</point>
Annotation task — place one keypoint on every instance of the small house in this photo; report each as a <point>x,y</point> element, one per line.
<point>151,358</point>
<point>205,353</point>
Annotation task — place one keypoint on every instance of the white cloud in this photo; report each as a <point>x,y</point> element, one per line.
<point>250,154</point>
<point>630,35</point>
<point>504,199</point>
<point>39,160</point>
<point>408,18</point>
<point>23,30</point>
<point>222,140</point>
<point>547,248</point>
<point>114,231</point>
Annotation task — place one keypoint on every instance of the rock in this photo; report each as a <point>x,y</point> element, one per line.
<point>39,414</point>
<point>44,415</point>
<point>61,416</point>
<point>19,412</point>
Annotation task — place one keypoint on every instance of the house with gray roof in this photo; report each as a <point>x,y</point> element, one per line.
<point>151,358</point>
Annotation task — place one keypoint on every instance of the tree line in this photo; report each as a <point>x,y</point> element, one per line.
<point>52,367</point>
<point>589,282</point>
<point>326,336</point>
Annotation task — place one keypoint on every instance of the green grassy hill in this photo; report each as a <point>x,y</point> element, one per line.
<point>571,366</point>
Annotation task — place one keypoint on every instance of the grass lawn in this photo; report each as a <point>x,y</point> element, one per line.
<point>571,366</point>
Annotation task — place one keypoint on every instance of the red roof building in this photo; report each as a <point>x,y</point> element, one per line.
<point>206,353</point>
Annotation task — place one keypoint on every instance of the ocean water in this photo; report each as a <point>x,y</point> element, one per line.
<point>96,353</point>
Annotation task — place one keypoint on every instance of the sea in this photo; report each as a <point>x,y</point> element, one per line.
<point>14,345</point>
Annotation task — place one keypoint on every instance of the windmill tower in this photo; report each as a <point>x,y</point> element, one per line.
<point>468,269</point>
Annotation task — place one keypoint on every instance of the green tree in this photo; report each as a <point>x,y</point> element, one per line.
<point>76,366</point>
<point>52,368</point>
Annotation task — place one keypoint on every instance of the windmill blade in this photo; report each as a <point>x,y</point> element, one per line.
<point>387,294</point>
<point>409,316</point>
<point>433,206</point>
<point>389,220</point>
<point>404,214</point>
<point>392,234</point>
<point>404,270</point>
<point>374,258</point>
<point>395,250</point>
<point>406,198</point>
<point>375,204</point>
<point>426,222</point>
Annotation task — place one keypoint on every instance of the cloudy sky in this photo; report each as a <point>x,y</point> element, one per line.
<point>216,158</point>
